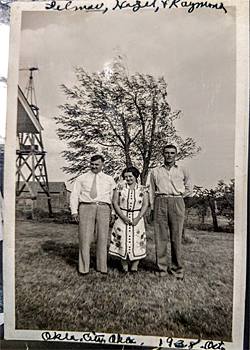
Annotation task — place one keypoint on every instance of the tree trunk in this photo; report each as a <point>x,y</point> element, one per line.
<point>143,179</point>
<point>144,174</point>
<point>127,156</point>
<point>214,217</point>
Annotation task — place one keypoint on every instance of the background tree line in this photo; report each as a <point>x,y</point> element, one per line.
<point>217,202</point>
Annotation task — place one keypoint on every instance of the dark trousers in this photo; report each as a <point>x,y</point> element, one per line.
<point>169,215</point>
<point>93,226</point>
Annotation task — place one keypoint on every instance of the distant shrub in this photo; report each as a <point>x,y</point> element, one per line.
<point>39,213</point>
<point>62,217</point>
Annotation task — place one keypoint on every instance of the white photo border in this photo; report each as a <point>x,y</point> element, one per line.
<point>241,162</point>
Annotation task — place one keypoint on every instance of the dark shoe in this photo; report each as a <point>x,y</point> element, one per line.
<point>134,271</point>
<point>161,273</point>
<point>83,274</point>
<point>180,278</point>
<point>103,272</point>
<point>178,274</point>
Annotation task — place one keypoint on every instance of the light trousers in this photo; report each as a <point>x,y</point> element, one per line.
<point>169,213</point>
<point>93,226</point>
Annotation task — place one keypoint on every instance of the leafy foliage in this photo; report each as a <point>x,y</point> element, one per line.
<point>220,200</point>
<point>127,118</point>
<point>198,202</point>
<point>225,199</point>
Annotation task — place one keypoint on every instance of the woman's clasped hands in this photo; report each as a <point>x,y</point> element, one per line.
<point>128,221</point>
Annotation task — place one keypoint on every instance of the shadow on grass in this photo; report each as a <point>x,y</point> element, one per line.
<point>147,265</point>
<point>69,253</point>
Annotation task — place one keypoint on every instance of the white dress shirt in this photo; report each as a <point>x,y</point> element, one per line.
<point>105,185</point>
<point>174,181</point>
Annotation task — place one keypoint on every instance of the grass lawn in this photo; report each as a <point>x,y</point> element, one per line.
<point>50,294</point>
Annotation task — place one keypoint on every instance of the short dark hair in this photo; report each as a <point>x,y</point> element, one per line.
<point>169,146</point>
<point>96,157</point>
<point>131,169</point>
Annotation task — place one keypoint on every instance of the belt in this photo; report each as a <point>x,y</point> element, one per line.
<point>130,210</point>
<point>94,203</point>
<point>167,195</point>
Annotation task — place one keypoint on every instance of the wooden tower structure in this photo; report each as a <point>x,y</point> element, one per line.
<point>31,165</point>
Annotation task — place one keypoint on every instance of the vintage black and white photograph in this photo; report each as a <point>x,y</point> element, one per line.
<point>127,166</point>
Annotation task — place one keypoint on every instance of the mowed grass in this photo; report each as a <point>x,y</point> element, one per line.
<point>50,294</point>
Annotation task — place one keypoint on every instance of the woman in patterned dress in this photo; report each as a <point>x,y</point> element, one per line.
<point>128,236</point>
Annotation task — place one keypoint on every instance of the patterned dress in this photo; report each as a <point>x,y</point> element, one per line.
<point>128,240</point>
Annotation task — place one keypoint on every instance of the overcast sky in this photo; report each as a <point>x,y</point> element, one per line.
<point>194,52</point>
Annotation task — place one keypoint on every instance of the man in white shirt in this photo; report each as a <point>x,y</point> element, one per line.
<point>169,184</point>
<point>90,202</point>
